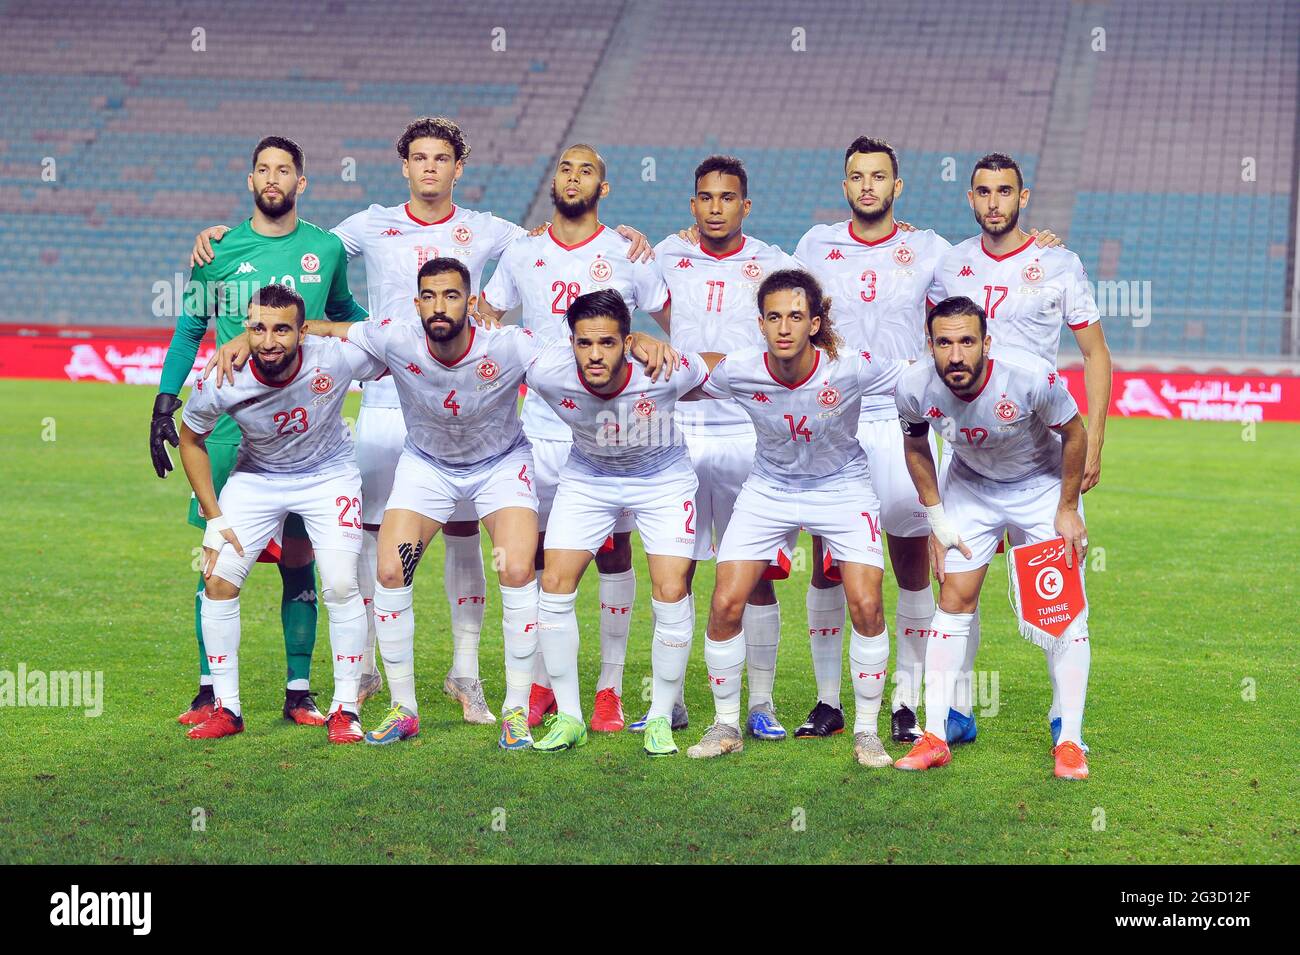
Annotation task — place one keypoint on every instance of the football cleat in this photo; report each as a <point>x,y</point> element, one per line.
<point>763,724</point>
<point>469,693</point>
<point>869,751</point>
<point>929,752</point>
<point>659,737</point>
<point>221,723</point>
<point>961,728</point>
<point>541,702</point>
<point>823,720</point>
<point>681,720</point>
<point>300,707</point>
<point>718,740</point>
<point>902,726</point>
<point>399,724</point>
<point>1070,762</point>
<point>607,713</point>
<point>370,685</point>
<point>514,729</point>
<point>1056,735</point>
<point>201,707</point>
<point>344,727</point>
<point>563,732</point>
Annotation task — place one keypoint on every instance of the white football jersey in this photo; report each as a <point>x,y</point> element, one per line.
<point>545,276</point>
<point>1004,433</point>
<point>629,433</point>
<point>395,244</point>
<point>808,432</point>
<point>715,310</point>
<point>289,428</point>
<point>1027,293</point>
<point>877,290</point>
<point>462,416</point>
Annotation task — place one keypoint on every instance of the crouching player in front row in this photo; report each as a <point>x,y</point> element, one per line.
<point>295,456</point>
<point>1018,447</point>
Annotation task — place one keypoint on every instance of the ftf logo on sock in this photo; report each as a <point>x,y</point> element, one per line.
<point>103,908</point>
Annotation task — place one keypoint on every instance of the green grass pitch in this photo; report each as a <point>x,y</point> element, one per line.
<point>1192,709</point>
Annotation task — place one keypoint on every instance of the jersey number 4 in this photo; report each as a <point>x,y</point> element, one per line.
<point>450,404</point>
<point>291,422</point>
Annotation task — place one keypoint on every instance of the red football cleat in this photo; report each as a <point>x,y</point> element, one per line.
<point>201,707</point>
<point>1070,762</point>
<point>300,707</point>
<point>607,713</point>
<point>220,723</point>
<point>928,753</point>
<point>344,727</point>
<point>541,702</point>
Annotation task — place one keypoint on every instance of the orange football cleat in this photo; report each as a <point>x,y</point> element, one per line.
<point>300,707</point>
<point>1070,762</point>
<point>541,703</point>
<point>928,753</point>
<point>201,707</point>
<point>607,713</point>
<point>220,723</point>
<point>344,727</point>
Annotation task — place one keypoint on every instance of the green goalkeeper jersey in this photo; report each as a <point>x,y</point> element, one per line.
<point>308,259</point>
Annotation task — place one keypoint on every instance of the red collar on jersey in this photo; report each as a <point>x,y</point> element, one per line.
<point>987,379</point>
<point>857,238</point>
<point>445,218</point>
<point>252,366</point>
<point>452,364</point>
<point>724,255</point>
<point>999,258</point>
<point>612,394</point>
<point>550,230</point>
<point>817,357</point>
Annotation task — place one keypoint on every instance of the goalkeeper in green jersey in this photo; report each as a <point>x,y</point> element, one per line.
<point>274,246</point>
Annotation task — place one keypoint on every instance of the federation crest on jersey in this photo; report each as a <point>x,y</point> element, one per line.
<point>462,235</point>
<point>644,407</point>
<point>310,263</point>
<point>1033,272</point>
<point>752,270</point>
<point>828,397</point>
<point>601,270</point>
<point>1006,409</point>
<point>322,383</point>
<point>488,369</point>
<point>903,255</point>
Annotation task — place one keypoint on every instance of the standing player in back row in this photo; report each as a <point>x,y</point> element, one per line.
<point>274,246</point>
<point>545,274</point>
<point>1028,293</point>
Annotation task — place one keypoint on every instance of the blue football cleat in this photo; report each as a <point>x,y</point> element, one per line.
<point>961,729</point>
<point>763,724</point>
<point>1056,735</point>
<point>680,720</point>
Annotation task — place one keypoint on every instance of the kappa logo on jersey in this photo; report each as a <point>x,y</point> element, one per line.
<point>321,384</point>
<point>834,255</point>
<point>762,398</point>
<point>966,270</point>
<point>414,369</point>
<point>310,262</point>
<point>461,235</point>
<point>934,412</point>
<point>828,397</point>
<point>198,385</point>
<point>866,355</point>
<point>245,268</point>
<point>752,271</point>
<point>1006,409</point>
<point>384,322</point>
<point>601,270</point>
<point>645,407</point>
<point>1051,378</point>
<point>568,404</point>
<point>487,369</point>
<point>391,231</point>
<point>1033,272</point>
<point>684,264</point>
<point>903,255</point>
<point>539,264</point>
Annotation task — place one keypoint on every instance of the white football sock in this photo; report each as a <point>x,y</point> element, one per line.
<point>1070,666</point>
<point>519,628</point>
<point>681,690</point>
<point>869,659</point>
<point>915,608</point>
<point>617,594</point>
<point>670,651</point>
<point>395,632</point>
<point>826,635</point>
<point>220,620</point>
<point>540,676</point>
<point>347,643</point>
<point>725,659</point>
<point>943,660</point>
<point>466,588</point>
<point>557,634</point>
<point>367,574</point>
<point>762,626</point>
<point>963,690</point>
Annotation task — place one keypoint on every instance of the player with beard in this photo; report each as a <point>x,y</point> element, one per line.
<point>273,246</point>
<point>545,274</point>
<point>1028,293</point>
<point>395,241</point>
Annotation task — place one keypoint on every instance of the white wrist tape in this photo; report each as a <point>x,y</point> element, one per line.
<point>940,526</point>
<point>212,533</point>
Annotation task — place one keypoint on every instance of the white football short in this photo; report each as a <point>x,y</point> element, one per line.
<point>420,485</point>
<point>722,462</point>
<point>381,435</point>
<point>901,511</point>
<point>256,505</point>
<point>662,507</point>
<point>549,458</point>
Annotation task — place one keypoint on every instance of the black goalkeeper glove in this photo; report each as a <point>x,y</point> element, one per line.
<point>162,429</point>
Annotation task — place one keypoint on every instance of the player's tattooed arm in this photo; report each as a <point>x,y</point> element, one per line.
<point>1069,523</point>
<point>1096,386</point>
<point>202,252</point>
<point>657,356</point>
